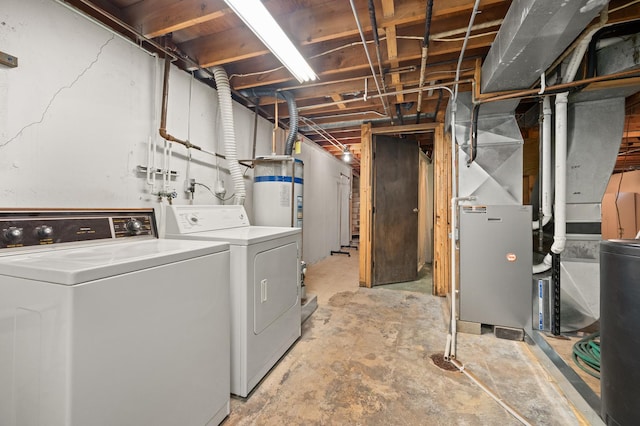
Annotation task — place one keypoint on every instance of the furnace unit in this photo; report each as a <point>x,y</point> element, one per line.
<point>496,265</point>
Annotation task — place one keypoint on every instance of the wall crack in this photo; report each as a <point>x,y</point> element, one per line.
<point>55,95</point>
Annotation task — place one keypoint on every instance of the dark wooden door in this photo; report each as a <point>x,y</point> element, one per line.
<point>395,205</point>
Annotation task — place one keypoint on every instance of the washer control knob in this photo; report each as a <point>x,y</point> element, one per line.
<point>12,235</point>
<point>193,219</point>
<point>134,226</point>
<point>44,232</point>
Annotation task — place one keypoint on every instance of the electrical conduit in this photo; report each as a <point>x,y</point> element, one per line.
<point>226,112</point>
<point>450,348</point>
<point>423,56</point>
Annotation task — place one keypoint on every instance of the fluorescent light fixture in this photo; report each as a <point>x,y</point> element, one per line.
<point>259,20</point>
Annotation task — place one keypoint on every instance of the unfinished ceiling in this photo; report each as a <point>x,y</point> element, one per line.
<point>207,33</point>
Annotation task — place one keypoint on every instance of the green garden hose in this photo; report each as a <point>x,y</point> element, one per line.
<point>586,354</point>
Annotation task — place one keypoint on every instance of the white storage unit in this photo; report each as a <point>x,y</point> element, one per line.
<point>101,323</point>
<point>265,285</point>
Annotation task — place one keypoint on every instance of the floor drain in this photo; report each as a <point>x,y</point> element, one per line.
<point>439,361</point>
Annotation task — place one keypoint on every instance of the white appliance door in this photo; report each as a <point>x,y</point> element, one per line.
<point>275,288</point>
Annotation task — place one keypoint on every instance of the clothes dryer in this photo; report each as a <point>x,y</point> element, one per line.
<point>102,323</point>
<point>265,285</point>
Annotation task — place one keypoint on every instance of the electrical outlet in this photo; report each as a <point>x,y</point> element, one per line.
<point>190,185</point>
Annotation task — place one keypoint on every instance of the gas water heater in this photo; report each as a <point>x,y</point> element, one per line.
<point>277,191</point>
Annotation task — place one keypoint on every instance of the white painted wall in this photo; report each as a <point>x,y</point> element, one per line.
<point>321,218</point>
<point>77,113</point>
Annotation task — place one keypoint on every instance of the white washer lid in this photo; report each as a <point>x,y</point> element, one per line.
<point>70,266</point>
<point>242,236</point>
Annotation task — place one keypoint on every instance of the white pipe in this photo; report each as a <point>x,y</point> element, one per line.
<point>560,222</point>
<point>153,140</point>
<point>164,165</point>
<point>489,392</point>
<point>560,209</point>
<point>170,153</point>
<point>450,349</point>
<point>545,265</point>
<point>546,163</point>
<point>423,70</point>
<point>464,44</point>
<point>224,99</point>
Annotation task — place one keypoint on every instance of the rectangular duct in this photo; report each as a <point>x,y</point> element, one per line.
<point>534,33</point>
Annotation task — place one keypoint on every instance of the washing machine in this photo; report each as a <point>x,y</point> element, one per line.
<point>265,285</point>
<point>102,323</point>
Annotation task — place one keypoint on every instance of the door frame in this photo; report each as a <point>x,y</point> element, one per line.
<point>366,186</point>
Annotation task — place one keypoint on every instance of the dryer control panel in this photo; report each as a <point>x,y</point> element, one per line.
<point>189,219</point>
<point>28,228</point>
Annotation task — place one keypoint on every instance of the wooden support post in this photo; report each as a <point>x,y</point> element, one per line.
<point>366,202</point>
<point>442,216</point>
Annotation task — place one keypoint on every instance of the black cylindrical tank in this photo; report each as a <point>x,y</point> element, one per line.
<point>620,331</point>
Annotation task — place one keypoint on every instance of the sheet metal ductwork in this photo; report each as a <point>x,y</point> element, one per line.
<point>495,177</point>
<point>594,135</point>
<point>533,34</point>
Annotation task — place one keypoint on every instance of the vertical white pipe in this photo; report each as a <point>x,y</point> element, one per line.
<point>546,159</point>
<point>560,225</point>
<point>153,139</point>
<point>450,350</point>
<point>546,163</point>
<point>169,154</point>
<point>164,165</point>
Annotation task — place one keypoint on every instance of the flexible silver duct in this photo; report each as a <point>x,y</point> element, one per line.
<point>293,112</point>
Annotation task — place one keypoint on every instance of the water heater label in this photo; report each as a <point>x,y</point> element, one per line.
<point>285,195</point>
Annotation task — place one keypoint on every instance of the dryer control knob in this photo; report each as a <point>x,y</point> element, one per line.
<point>44,232</point>
<point>134,226</point>
<point>12,235</point>
<point>193,219</point>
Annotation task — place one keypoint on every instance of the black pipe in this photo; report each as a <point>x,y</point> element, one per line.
<point>474,133</point>
<point>399,113</point>
<point>374,24</point>
<point>427,25</point>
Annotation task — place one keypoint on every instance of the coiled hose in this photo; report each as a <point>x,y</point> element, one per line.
<point>586,354</point>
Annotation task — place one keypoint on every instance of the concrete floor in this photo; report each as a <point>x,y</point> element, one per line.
<point>364,359</point>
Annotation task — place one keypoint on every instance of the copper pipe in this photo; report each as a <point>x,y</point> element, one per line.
<point>165,101</point>
<point>513,94</point>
